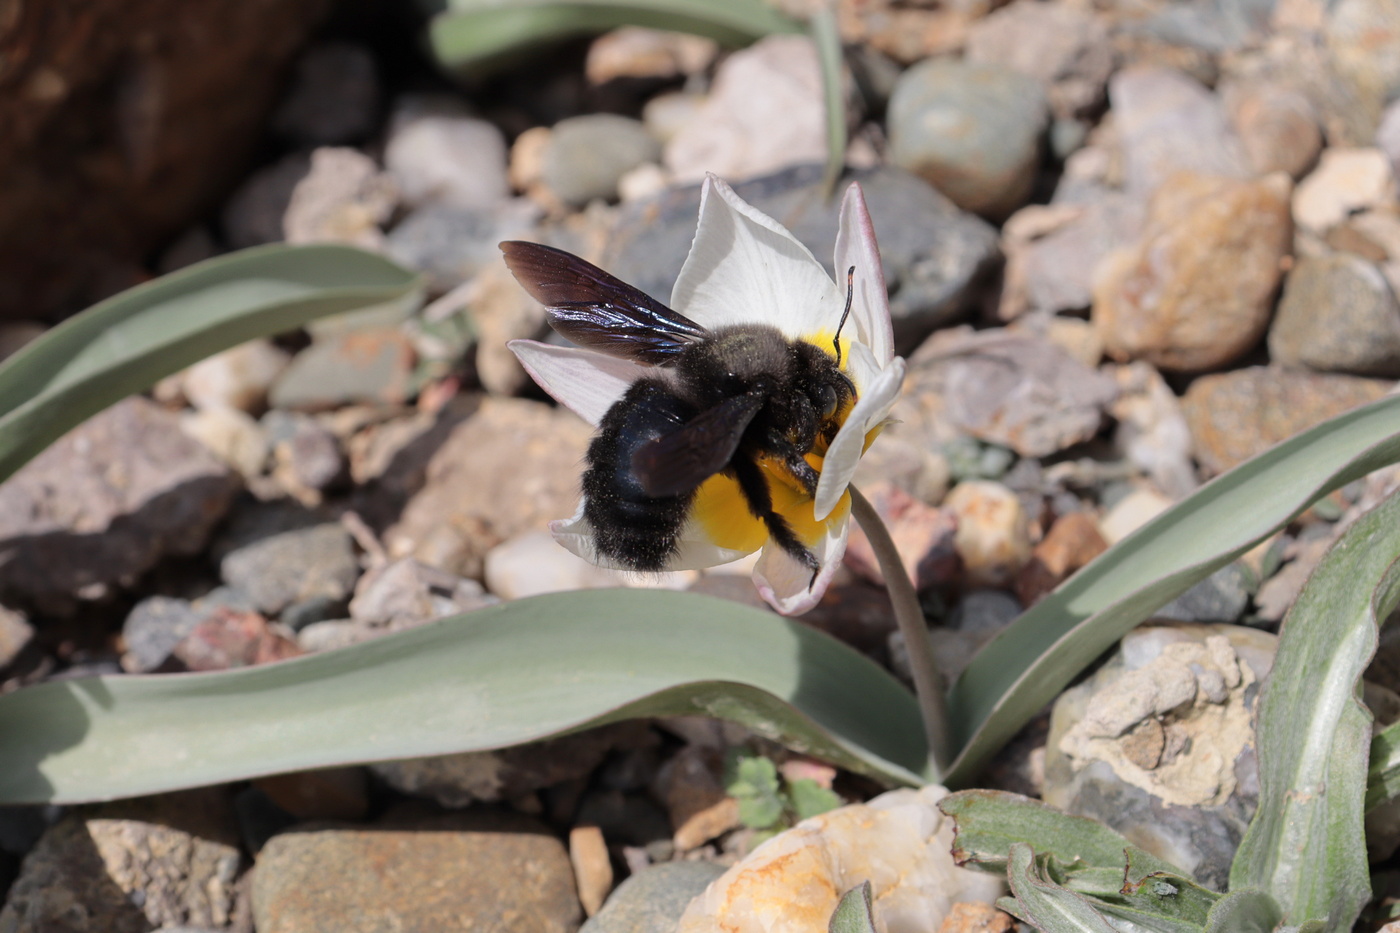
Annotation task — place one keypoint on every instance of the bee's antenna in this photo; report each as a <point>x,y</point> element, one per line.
<point>850,293</point>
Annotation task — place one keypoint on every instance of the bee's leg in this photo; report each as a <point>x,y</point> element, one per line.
<point>802,471</point>
<point>754,486</point>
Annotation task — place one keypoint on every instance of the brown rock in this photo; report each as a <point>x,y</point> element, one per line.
<point>1195,293</point>
<point>324,794</point>
<point>417,872</point>
<point>1277,127</point>
<point>118,125</point>
<point>512,467</point>
<point>593,873</point>
<point>105,502</point>
<point>993,536</point>
<point>1066,48</point>
<point>1234,416</point>
<point>976,917</point>
<point>1072,541</point>
<point>690,787</point>
<point>230,638</point>
<point>131,867</point>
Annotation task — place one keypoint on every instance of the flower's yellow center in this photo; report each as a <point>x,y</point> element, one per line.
<point>723,513</point>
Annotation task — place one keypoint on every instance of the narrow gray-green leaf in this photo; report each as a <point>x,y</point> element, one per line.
<point>854,912</point>
<point>513,673</point>
<point>476,34</point>
<point>1035,657</point>
<point>1048,906</point>
<point>1246,911</point>
<point>987,823</point>
<point>1383,774</point>
<point>827,39</point>
<point>1306,845</point>
<point>131,340</point>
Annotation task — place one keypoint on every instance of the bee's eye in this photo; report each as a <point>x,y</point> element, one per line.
<point>826,400</point>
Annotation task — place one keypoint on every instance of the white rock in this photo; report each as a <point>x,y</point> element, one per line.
<point>1345,180</point>
<point>238,377</point>
<point>740,134</point>
<point>533,563</point>
<point>900,842</point>
<point>1131,512</point>
<point>993,537</point>
<point>1152,429</point>
<point>343,199</point>
<point>438,153</point>
<point>638,52</point>
<point>233,436</point>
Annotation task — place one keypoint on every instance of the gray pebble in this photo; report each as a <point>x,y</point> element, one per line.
<point>588,155</point>
<point>1337,314</point>
<point>652,900</point>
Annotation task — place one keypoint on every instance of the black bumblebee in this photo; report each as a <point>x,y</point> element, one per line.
<point>720,400</point>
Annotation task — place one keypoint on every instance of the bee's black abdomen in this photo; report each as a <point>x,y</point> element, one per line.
<point>630,527</point>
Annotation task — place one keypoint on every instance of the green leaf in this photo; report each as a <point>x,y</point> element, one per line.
<point>755,786</point>
<point>1306,845</point>
<point>473,36</point>
<point>1246,911</point>
<point>810,799</point>
<point>1048,906</point>
<point>854,913</point>
<point>131,340</point>
<point>988,823</point>
<point>1035,657</point>
<point>826,37</point>
<point>513,673</point>
<point>1383,773</point>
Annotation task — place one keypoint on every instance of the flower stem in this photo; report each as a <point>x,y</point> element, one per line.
<point>928,683</point>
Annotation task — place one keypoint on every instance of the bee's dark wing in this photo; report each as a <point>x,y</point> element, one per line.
<point>678,462</point>
<point>597,310</point>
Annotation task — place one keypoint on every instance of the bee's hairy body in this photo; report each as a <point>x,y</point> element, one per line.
<point>794,389</point>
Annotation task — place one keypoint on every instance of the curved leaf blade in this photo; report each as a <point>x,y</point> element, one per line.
<point>1046,905</point>
<point>1035,657</point>
<point>1383,776</point>
<point>500,676</point>
<point>1306,845</point>
<point>131,340</point>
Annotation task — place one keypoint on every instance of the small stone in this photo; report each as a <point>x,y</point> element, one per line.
<point>993,536</point>
<point>1014,390</point>
<point>405,594</point>
<point>1197,290</point>
<point>105,503</point>
<point>899,841</point>
<point>164,862</point>
<point>1065,48</point>
<point>1072,541</point>
<point>645,181</point>
<point>231,435</point>
<point>1220,597</point>
<point>227,638</point>
<point>511,467</point>
<point>15,635</point>
<point>984,612</point>
<point>1337,314</point>
<point>343,199</point>
<point>236,378</point>
<point>363,366</point>
<point>922,535</point>
<point>253,214</point>
<point>1152,431</point>
<point>437,153</point>
<point>333,98</point>
<point>306,459</point>
<point>914,468</point>
<point>492,870</point>
<point>1132,512</point>
<point>588,155</point>
<point>690,786</point>
<point>593,874</point>
<point>976,918</point>
<point>452,244</point>
<point>653,899</point>
<point>1344,182</point>
<point>1167,123</point>
<point>1277,126</point>
<point>739,134</point>
<point>1235,415</point>
<point>533,563</point>
<point>526,169</point>
<point>153,628</point>
<point>278,556</point>
<point>972,131</point>
<point>665,115</point>
<point>637,52</point>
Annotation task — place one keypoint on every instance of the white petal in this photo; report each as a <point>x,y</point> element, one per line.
<point>846,448</point>
<point>784,582</point>
<point>585,381</point>
<point>693,553</point>
<point>744,268</point>
<point>862,367</point>
<point>856,246</point>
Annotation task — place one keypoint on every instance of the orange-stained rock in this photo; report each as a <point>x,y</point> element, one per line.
<point>993,537</point>
<point>976,917</point>
<point>1196,292</point>
<point>1072,541</point>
